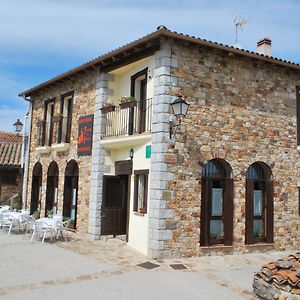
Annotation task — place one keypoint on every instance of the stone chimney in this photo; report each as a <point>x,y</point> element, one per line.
<point>264,46</point>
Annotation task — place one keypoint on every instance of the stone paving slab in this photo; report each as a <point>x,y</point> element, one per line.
<point>109,268</point>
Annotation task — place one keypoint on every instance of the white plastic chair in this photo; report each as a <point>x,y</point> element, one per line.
<point>9,222</point>
<point>41,229</point>
<point>29,222</point>
<point>63,229</point>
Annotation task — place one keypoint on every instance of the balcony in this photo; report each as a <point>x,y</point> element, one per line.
<point>130,121</point>
<point>54,135</point>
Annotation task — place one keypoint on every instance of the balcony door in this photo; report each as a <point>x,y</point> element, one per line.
<point>139,92</point>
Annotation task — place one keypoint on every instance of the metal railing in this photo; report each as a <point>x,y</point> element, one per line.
<point>55,132</point>
<point>128,121</point>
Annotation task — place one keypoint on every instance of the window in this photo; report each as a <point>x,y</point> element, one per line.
<point>140,191</point>
<point>259,204</point>
<point>216,204</point>
<point>66,107</point>
<point>298,113</point>
<point>9,177</point>
<point>47,136</point>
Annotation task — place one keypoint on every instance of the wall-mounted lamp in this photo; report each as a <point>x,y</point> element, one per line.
<point>131,153</point>
<point>18,126</point>
<point>179,108</point>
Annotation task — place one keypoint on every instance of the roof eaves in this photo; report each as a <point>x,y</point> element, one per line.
<point>94,62</point>
<point>228,48</point>
<point>160,32</point>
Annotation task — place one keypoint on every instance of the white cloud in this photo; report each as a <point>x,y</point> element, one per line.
<point>92,27</point>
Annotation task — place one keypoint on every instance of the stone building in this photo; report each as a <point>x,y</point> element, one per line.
<point>10,169</point>
<point>226,179</point>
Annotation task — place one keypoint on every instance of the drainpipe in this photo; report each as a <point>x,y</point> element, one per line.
<point>26,150</point>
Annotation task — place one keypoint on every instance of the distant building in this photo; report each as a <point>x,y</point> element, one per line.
<point>228,181</point>
<point>10,169</point>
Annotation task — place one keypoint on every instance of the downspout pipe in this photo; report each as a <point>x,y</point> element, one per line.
<point>26,150</point>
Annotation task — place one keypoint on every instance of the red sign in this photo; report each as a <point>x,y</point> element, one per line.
<point>85,135</point>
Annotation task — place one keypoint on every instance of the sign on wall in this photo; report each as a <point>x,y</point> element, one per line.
<point>85,135</point>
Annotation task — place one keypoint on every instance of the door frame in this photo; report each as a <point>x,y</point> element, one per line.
<point>128,179</point>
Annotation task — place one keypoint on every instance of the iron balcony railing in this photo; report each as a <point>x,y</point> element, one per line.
<point>54,132</point>
<point>135,118</point>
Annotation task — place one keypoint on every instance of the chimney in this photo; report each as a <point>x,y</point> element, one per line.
<point>264,46</point>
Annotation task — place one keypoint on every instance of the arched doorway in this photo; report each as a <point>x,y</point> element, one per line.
<point>52,188</point>
<point>216,203</point>
<point>36,186</point>
<point>70,192</point>
<point>259,204</point>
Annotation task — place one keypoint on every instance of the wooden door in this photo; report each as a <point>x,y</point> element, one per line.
<point>114,205</point>
<point>35,193</point>
<point>70,199</point>
<point>51,194</point>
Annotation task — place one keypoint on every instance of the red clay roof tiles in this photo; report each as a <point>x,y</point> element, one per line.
<point>284,273</point>
<point>10,149</point>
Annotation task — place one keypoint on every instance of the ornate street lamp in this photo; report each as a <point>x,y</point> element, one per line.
<point>179,107</point>
<point>18,126</point>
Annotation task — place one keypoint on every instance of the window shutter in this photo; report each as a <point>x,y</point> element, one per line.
<point>205,196</point>
<point>135,200</point>
<point>249,211</point>
<point>269,188</point>
<point>146,193</point>
<point>228,212</point>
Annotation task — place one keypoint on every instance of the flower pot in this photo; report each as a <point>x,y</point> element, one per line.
<point>107,109</point>
<point>128,104</point>
<point>142,210</point>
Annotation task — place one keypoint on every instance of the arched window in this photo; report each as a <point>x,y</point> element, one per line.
<point>36,185</point>
<point>52,188</point>
<point>259,204</point>
<point>70,192</point>
<point>216,203</point>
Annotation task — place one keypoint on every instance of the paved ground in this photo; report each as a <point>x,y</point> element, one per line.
<point>86,270</point>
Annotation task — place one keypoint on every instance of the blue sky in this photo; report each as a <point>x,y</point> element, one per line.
<point>43,38</point>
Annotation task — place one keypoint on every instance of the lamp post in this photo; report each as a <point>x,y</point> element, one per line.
<point>179,108</point>
<point>18,126</point>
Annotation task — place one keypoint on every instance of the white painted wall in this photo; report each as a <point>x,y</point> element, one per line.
<point>138,224</point>
<point>121,84</point>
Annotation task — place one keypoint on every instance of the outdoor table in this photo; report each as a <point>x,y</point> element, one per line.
<point>16,215</point>
<point>50,222</point>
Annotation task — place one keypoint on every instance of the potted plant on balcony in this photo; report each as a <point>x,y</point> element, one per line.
<point>127,102</point>
<point>108,107</point>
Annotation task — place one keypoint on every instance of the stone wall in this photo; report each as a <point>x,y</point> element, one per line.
<point>242,111</point>
<point>9,190</point>
<point>84,88</point>
<point>98,157</point>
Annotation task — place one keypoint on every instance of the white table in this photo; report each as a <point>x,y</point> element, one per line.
<point>50,222</point>
<point>16,215</point>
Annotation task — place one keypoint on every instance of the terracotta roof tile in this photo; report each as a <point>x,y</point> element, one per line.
<point>10,149</point>
<point>10,137</point>
<point>284,273</point>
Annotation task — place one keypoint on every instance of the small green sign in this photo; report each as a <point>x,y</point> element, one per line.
<point>148,151</point>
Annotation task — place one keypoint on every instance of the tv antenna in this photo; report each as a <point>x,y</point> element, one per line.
<point>239,23</point>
